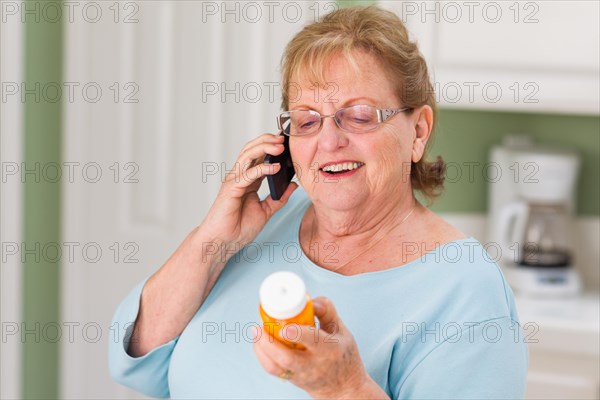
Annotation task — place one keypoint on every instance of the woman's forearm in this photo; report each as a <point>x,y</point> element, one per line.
<point>172,295</point>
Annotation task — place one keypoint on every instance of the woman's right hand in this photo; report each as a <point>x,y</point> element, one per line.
<point>237,215</point>
<point>173,295</point>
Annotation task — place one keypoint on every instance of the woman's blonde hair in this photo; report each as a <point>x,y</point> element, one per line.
<point>382,34</point>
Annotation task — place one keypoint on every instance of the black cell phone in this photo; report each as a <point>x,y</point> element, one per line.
<point>280,181</point>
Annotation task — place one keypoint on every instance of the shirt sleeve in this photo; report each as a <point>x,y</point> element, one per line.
<point>487,360</point>
<point>147,374</point>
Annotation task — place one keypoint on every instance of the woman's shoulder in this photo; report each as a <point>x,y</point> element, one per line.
<point>459,268</point>
<point>470,278</point>
<point>450,247</point>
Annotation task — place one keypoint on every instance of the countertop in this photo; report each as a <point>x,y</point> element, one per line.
<point>569,325</point>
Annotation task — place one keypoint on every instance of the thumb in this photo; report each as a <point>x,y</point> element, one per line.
<point>326,313</point>
<point>275,205</point>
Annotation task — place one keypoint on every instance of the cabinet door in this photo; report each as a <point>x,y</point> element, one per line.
<point>553,386</point>
<point>561,375</point>
<point>540,56</point>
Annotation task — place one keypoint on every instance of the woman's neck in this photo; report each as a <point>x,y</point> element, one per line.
<point>358,240</point>
<point>359,224</point>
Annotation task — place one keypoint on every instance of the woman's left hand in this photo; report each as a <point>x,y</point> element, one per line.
<point>329,366</point>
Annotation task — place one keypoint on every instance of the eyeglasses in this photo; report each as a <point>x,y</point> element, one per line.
<point>354,119</point>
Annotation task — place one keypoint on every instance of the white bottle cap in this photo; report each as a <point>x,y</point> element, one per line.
<point>283,295</point>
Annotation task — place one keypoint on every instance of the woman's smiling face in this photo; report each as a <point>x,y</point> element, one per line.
<point>383,156</point>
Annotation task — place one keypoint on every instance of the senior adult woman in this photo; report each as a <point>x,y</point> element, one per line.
<point>408,307</point>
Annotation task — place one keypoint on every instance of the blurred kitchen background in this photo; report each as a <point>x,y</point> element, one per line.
<point>120,118</point>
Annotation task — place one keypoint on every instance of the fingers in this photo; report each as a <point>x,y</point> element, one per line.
<point>327,314</point>
<point>265,138</point>
<point>274,356</point>
<point>254,151</point>
<point>238,184</point>
<point>331,326</point>
<point>272,206</point>
<point>255,155</point>
<point>309,336</point>
<point>250,167</point>
<point>328,362</point>
<point>266,361</point>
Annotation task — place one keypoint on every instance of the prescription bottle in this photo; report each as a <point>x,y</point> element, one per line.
<point>284,300</point>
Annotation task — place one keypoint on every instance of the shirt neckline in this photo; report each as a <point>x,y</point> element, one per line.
<point>310,266</point>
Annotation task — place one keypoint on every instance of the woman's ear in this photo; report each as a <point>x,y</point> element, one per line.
<point>423,120</point>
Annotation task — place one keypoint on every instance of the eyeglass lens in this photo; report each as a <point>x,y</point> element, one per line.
<point>352,119</point>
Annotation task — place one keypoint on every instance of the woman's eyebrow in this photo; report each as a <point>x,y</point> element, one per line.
<point>346,103</point>
<point>354,100</point>
<point>302,107</point>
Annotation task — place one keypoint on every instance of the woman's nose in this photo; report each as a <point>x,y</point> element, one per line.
<point>331,137</point>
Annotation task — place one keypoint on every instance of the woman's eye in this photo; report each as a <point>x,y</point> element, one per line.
<point>307,124</point>
<point>361,119</point>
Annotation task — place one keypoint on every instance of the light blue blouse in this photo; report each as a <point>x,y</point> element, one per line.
<point>443,326</point>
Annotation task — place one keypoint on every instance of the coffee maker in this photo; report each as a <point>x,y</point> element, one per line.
<point>531,210</point>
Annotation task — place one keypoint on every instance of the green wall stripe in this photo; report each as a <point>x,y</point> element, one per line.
<point>466,136</point>
<point>42,145</point>
<point>350,3</point>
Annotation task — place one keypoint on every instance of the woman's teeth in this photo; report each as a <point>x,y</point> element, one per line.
<point>342,167</point>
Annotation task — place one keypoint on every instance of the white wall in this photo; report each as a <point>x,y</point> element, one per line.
<point>11,128</point>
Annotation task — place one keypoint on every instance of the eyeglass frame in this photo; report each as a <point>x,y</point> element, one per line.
<point>383,114</point>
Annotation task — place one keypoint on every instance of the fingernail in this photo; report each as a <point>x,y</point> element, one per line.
<point>317,306</point>
<point>289,331</point>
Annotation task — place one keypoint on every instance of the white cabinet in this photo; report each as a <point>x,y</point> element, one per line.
<point>534,56</point>
<point>561,376</point>
<point>563,338</point>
